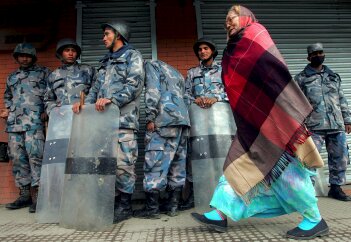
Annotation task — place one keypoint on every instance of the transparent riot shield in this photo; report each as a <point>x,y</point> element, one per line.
<point>211,134</point>
<point>321,183</point>
<point>53,166</point>
<point>90,174</point>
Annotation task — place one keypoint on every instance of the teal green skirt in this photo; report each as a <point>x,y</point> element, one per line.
<point>292,192</point>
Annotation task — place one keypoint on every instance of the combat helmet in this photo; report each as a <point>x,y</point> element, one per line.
<point>25,48</point>
<point>64,43</point>
<point>120,27</point>
<point>207,41</point>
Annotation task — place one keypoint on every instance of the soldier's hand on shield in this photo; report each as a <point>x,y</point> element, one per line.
<point>348,128</point>
<point>150,126</point>
<point>44,117</point>
<point>200,102</point>
<point>209,101</point>
<point>101,103</point>
<point>76,107</point>
<point>4,113</point>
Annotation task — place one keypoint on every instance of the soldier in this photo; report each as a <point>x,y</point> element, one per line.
<point>66,82</point>
<point>330,117</point>
<point>120,80</point>
<point>24,101</point>
<point>167,127</point>
<point>205,87</point>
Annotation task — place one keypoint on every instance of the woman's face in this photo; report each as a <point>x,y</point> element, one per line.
<point>232,24</point>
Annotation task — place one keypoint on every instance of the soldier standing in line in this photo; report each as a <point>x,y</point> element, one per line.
<point>67,81</point>
<point>120,80</point>
<point>205,87</point>
<point>24,101</point>
<point>167,127</point>
<point>330,118</point>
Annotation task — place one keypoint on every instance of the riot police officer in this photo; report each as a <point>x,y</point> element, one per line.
<point>24,101</point>
<point>120,80</point>
<point>330,118</point>
<point>205,87</point>
<point>167,127</point>
<point>67,81</point>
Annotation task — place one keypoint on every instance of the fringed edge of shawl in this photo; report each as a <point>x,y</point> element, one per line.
<point>300,136</point>
<point>271,177</point>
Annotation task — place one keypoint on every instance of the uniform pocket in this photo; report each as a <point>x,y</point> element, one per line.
<point>154,141</point>
<point>12,115</point>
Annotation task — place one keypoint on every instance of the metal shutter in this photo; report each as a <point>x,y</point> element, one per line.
<point>293,25</point>
<point>137,14</point>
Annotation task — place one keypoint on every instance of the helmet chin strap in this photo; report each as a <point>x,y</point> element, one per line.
<point>208,59</point>
<point>113,42</point>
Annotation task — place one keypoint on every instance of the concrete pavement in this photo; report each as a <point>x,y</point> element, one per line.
<point>19,225</point>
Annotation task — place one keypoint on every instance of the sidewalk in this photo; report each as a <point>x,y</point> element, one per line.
<point>19,225</point>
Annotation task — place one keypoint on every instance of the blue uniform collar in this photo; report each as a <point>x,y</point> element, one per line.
<point>116,54</point>
<point>64,66</point>
<point>213,65</point>
<point>310,71</point>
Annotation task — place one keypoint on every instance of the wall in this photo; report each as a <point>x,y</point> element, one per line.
<point>176,33</point>
<point>65,28</point>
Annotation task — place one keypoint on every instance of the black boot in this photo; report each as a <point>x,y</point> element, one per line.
<point>189,202</point>
<point>24,200</point>
<point>34,195</point>
<point>151,209</point>
<point>124,209</point>
<point>170,206</point>
<point>337,193</point>
<point>117,201</point>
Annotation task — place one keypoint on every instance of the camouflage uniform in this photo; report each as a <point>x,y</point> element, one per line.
<point>330,113</point>
<point>166,147</point>
<point>65,84</point>
<point>24,97</point>
<point>202,81</point>
<point>120,78</point>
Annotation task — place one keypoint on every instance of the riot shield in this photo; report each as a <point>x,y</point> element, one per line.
<point>53,166</point>
<point>321,183</point>
<point>211,134</point>
<point>90,174</point>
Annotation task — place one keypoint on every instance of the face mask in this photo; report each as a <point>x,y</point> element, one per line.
<point>317,60</point>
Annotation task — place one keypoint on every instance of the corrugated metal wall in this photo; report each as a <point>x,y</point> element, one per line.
<point>293,25</point>
<point>137,14</point>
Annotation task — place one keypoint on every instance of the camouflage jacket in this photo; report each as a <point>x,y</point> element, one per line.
<point>164,96</point>
<point>202,81</point>
<point>24,98</point>
<point>324,92</point>
<point>120,78</point>
<point>65,84</point>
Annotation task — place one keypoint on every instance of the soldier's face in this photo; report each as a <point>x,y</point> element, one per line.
<point>109,38</point>
<point>205,52</point>
<point>25,60</point>
<point>69,55</point>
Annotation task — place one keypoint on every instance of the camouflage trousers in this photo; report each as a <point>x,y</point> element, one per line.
<point>338,157</point>
<point>126,158</point>
<point>165,158</point>
<point>26,151</point>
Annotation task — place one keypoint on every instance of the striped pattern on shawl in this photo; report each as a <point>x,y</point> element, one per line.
<point>269,110</point>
